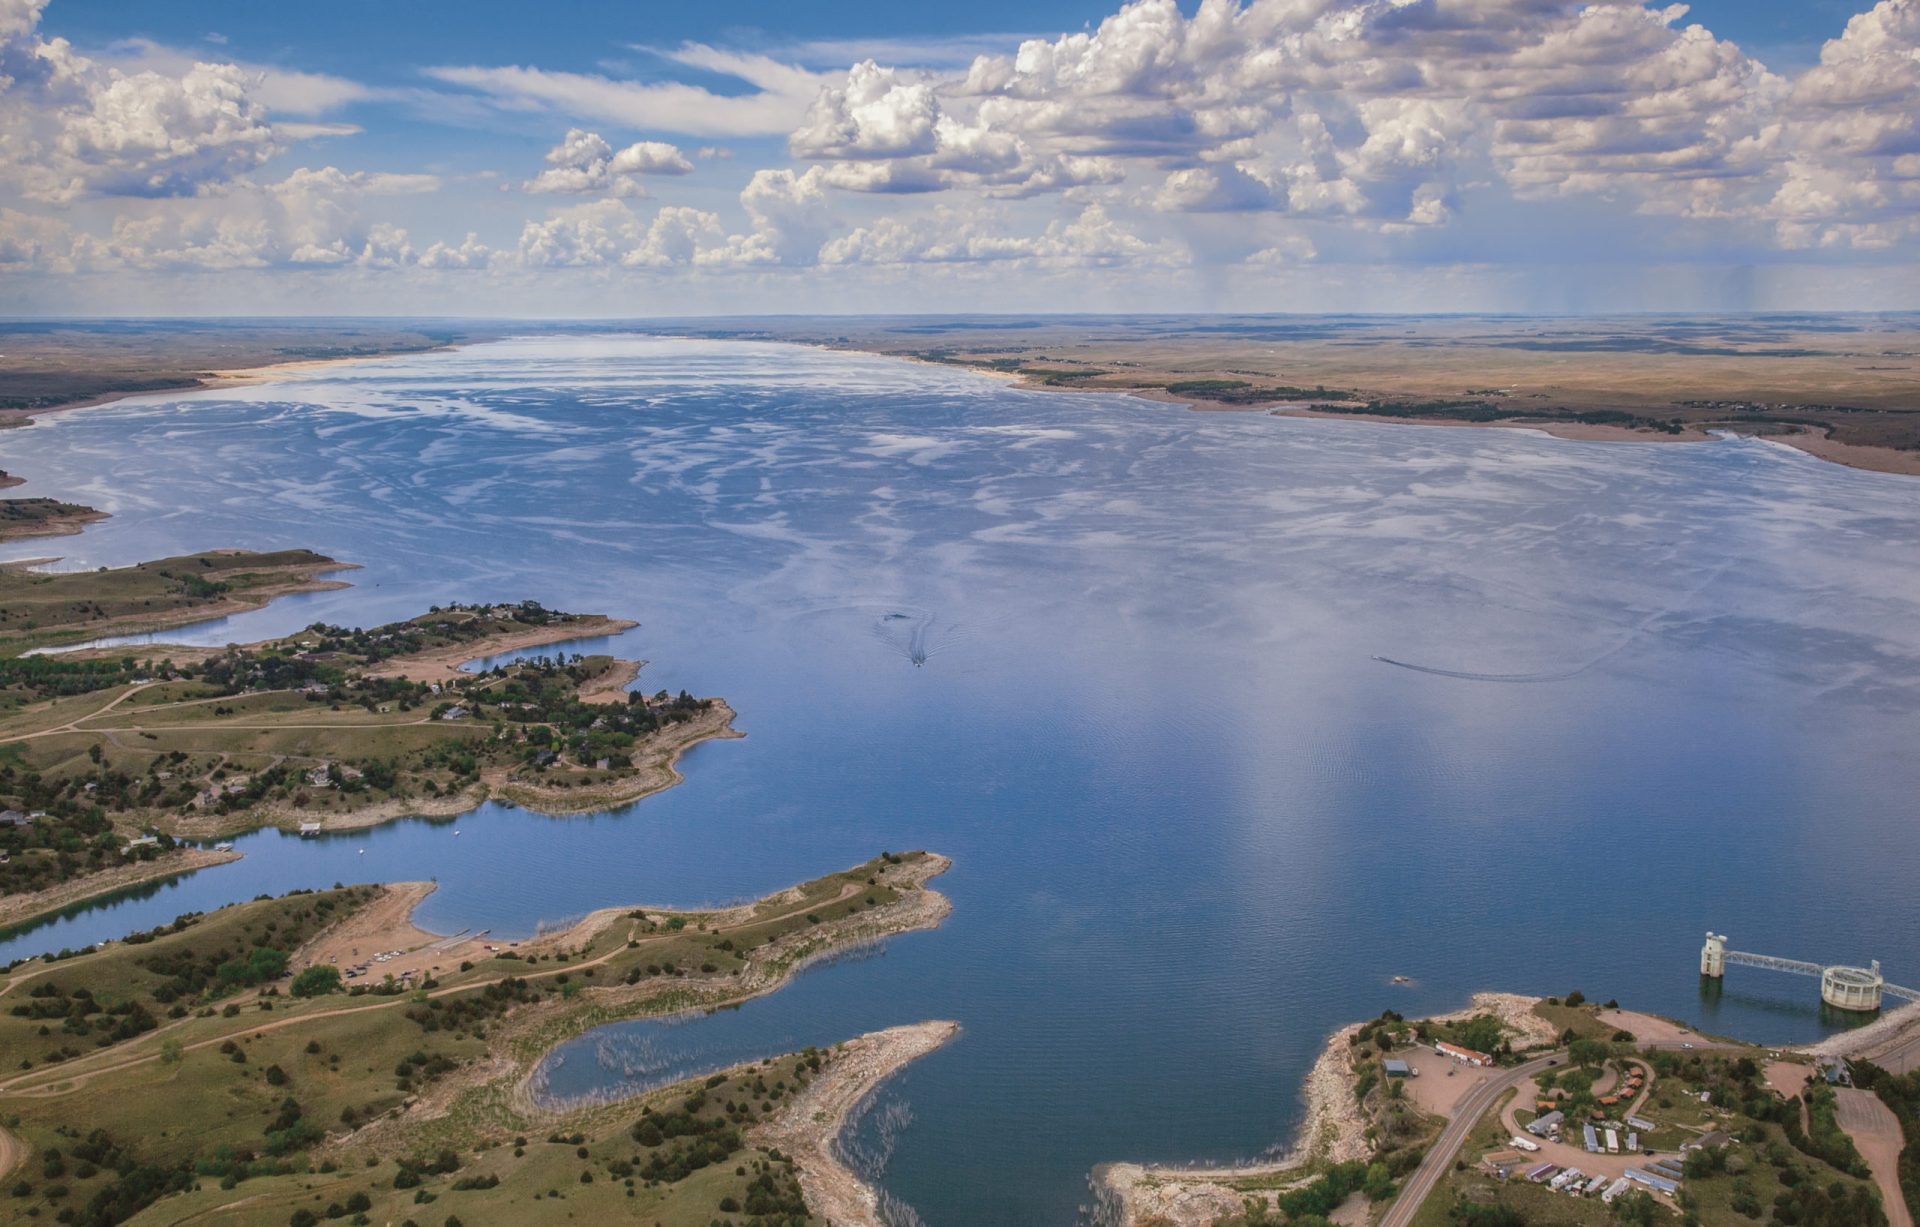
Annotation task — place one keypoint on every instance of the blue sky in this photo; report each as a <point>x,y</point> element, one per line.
<point>612,158</point>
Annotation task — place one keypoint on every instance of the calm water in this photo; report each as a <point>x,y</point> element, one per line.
<point>1119,661</point>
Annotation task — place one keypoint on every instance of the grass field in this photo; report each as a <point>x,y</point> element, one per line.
<point>243,1095</point>
<point>38,609</point>
<point>341,726</point>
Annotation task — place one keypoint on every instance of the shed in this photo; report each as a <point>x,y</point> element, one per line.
<point>1398,1069</point>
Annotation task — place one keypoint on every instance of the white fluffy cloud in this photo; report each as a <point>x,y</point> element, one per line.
<point>1270,132</point>
<point>312,218</point>
<point>1378,113</point>
<point>584,162</point>
<point>1092,239</point>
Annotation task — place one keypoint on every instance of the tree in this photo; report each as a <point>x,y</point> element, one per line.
<point>1636,1208</point>
<point>1587,1053</point>
<point>316,981</point>
<point>1379,1185</point>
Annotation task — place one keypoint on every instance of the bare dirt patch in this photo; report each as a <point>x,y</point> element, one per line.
<point>444,664</point>
<point>1647,1029</point>
<point>1876,1131</point>
<point>1439,1083</point>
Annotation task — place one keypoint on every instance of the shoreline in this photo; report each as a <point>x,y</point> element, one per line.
<point>662,752</point>
<point>1847,455</point>
<point>1334,1130</point>
<point>447,664</point>
<point>514,1068</point>
<point>19,911</point>
<point>809,1130</point>
<point>217,380</point>
<point>302,579</point>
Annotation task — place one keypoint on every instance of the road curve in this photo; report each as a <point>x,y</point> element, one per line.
<point>1466,1114</point>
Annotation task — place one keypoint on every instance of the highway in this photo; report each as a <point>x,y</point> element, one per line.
<point>1466,1114</point>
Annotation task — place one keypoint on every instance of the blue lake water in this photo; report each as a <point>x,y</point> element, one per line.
<point>1119,660</point>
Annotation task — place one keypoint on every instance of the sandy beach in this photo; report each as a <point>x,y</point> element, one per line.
<point>447,664</point>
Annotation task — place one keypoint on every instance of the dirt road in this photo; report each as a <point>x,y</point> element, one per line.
<point>1876,1131</point>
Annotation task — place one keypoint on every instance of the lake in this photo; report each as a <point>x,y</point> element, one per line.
<point>1225,719</point>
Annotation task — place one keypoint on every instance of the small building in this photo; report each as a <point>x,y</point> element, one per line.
<point>1543,1173</point>
<point>310,828</point>
<point>1615,1189</point>
<point>1502,1162</point>
<point>1458,1053</point>
<point>1395,1068</point>
<point>1594,1185</point>
<point>1706,1141</point>
<point>1592,1139</point>
<point>1641,1123</point>
<point>1659,1184</point>
<point>143,841</point>
<point>1545,1126</point>
<point>1613,1142</point>
<point>1633,1143</point>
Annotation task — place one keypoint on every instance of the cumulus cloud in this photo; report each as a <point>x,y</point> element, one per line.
<point>1092,239</point>
<point>1377,113</point>
<point>608,233</point>
<point>312,218</point>
<point>1371,125</point>
<point>584,162</point>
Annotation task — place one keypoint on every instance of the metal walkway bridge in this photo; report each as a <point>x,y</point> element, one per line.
<point>1799,968</point>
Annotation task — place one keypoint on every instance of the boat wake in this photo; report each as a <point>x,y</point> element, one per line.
<point>916,634</point>
<point>1560,675</point>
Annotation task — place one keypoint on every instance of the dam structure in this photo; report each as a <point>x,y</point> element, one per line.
<point>1855,989</point>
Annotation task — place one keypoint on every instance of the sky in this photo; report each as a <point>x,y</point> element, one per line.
<point>602,159</point>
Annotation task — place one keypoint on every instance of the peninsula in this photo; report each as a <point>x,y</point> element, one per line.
<point>237,1067</point>
<point>110,757</point>
<point>1519,1111</point>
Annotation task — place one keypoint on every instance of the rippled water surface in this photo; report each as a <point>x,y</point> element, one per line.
<point>1225,719</point>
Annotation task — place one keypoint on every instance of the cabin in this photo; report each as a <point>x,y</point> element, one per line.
<point>1462,1054</point>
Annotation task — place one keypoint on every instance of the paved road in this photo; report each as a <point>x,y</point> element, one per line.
<point>1466,1114</point>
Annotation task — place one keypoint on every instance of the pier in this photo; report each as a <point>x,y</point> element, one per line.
<point>1857,989</point>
